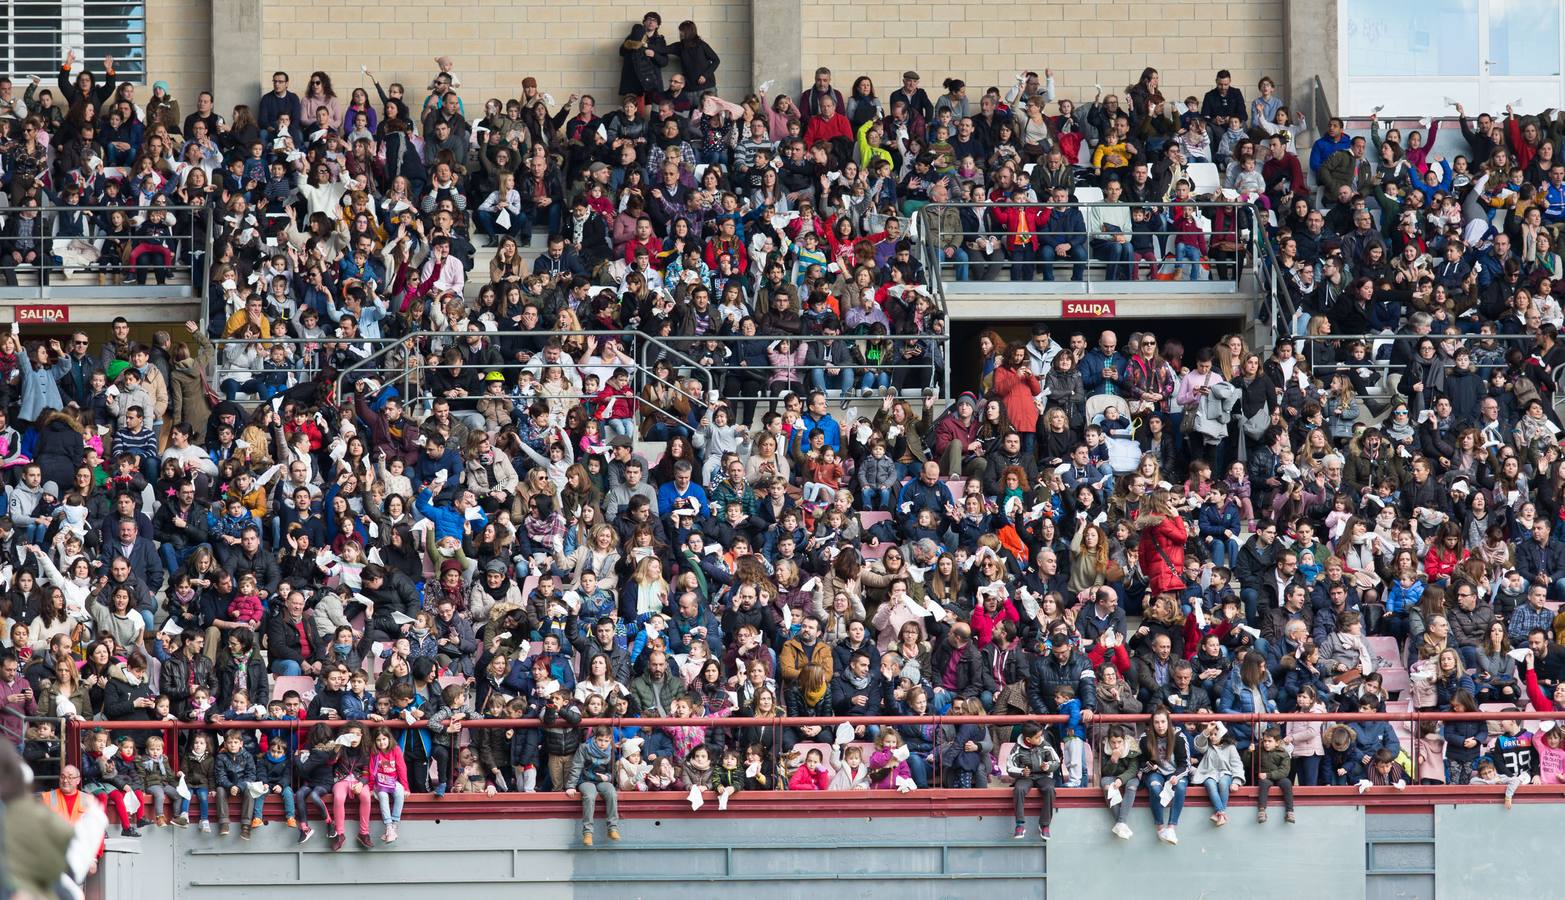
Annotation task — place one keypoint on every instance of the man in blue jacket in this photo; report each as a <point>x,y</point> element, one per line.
<point>817,416</point>
<point>450,520</point>
<point>682,488</point>
<point>435,459</point>
<point>926,491</point>
<point>1333,140</point>
<point>1102,366</point>
<point>1064,236</point>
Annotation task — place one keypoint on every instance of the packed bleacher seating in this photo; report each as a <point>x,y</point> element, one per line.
<point>375,487</point>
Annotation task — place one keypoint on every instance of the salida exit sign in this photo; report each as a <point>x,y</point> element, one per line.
<point>1086,309</point>
<point>43,314</point>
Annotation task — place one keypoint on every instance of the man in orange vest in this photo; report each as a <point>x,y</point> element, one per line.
<point>35,839</point>
<point>69,803</point>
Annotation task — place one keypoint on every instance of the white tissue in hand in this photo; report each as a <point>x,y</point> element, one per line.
<point>844,733</point>
<point>752,770</point>
<point>1364,785</point>
<point>905,785</point>
<point>132,803</point>
<point>1166,796</point>
<point>722,801</point>
<point>182,789</point>
<point>696,800</point>
<point>900,754</point>
<point>1114,796</point>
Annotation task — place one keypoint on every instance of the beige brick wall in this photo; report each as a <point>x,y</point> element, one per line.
<point>568,47</point>
<point>1084,41</point>
<point>571,47</point>
<point>179,48</point>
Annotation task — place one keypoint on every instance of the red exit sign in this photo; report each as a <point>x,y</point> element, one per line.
<point>1086,309</point>
<point>43,314</point>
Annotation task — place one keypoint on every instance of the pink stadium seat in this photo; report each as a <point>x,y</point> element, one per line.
<point>304,684</point>
<point>872,518</point>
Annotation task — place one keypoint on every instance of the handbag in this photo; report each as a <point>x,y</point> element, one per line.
<point>213,398</point>
<point>1255,426</point>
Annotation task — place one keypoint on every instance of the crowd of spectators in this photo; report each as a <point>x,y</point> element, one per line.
<point>1092,530</point>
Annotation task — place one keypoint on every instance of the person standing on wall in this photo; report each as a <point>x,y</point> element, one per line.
<point>644,53</point>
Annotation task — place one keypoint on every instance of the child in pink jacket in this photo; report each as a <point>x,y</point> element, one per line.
<point>389,780</point>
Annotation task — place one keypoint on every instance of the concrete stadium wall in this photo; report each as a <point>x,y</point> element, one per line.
<point>1339,851</point>
<point>571,47</point>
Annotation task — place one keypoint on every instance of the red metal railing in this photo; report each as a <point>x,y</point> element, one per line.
<point>920,803</point>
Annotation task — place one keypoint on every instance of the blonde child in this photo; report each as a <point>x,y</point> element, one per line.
<point>160,780</point>
<point>1487,774</point>
<point>888,768</point>
<point>849,773</point>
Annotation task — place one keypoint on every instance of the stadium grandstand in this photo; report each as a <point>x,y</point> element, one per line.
<point>755,450</point>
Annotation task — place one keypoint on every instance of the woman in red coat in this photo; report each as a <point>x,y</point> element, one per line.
<point>1162,548</point>
<point>1017,389</point>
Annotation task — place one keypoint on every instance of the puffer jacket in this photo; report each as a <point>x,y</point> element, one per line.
<point>559,741</point>
<point>234,769</point>
<point>1041,760</point>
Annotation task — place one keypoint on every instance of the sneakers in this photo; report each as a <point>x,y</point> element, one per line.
<point>129,831</point>
<point>331,830</point>
<point>1220,819</point>
<point>293,822</point>
<point>613,833</point>
<point>586,839</point>
<point>1043,833</point>
<point>364,840</point>
<point>205,827</point>
<point>1290,818</point>
<point>244,831</point>
<point>390,836</point>
<point>222,830</point>
<point>161,821</point>
<point>182,820</point>
<point>1123,832</point>
<point>305,833</point>
<point>1260,817</point>
<point>1173,836</point>
<point>1021,832</point>
<point>257,822</point>
<point>440,791</point>
<point>337,840</point>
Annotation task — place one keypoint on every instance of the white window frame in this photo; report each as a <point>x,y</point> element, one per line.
<point>92,28</point>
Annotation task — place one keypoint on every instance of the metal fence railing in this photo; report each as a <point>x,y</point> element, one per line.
<point>402,363</point>
<point>1120,246</point>
<point>866,364</point>
<point>84,250</point>
<point>1404,739</point>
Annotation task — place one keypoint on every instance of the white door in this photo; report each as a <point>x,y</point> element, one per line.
<point>1412,56</point>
